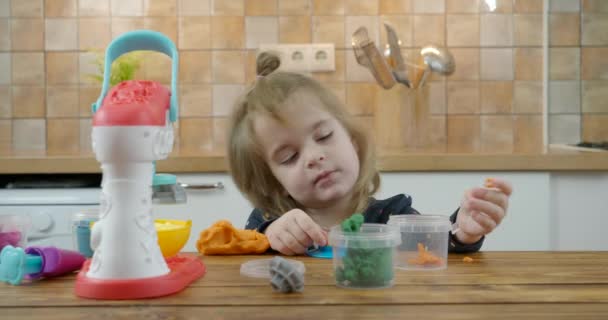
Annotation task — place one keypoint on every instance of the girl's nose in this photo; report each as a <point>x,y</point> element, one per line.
<point>314,161</point>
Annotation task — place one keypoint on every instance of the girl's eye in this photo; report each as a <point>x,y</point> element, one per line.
<point>325,137</point>
<point>290,159</point>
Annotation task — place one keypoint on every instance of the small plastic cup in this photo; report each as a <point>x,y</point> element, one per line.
<point>13,230</point>
<point>424,241</point>
<point>81,230</point>
<point>364,259</point>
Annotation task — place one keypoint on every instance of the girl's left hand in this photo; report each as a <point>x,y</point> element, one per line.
<point>482,210</point>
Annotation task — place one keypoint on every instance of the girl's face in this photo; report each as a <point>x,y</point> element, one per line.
<point>311,154</point>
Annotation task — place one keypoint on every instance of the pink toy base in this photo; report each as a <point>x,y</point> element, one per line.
<point>184,270</point>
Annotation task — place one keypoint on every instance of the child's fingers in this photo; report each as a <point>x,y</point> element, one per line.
<point>494,196</point>
<point>493,212</point>
<point>291,243</point>
<point>486,223</point>
<point>500,184</point>
<point>299,234</point>
<point>312,229</point>
<point>277,244</point>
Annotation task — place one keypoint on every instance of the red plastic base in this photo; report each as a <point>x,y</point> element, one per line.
<point>184,270</point>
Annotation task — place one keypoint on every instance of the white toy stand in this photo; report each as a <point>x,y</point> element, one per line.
<point>132,128</point>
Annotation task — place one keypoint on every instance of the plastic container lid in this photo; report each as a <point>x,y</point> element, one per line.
<point>371,235</point>
<point>421,223</point>
<point>260,268</point>
<point>85,217</point>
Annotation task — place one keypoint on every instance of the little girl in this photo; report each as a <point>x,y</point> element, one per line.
<point>306,165</point>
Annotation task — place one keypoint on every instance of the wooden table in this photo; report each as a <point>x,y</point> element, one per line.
<point>496,285</point>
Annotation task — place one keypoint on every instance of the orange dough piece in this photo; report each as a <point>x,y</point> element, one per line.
<point>222,238</point>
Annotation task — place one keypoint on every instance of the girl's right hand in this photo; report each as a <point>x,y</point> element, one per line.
<point>294,232</point>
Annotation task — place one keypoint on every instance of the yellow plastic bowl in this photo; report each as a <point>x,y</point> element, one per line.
<point>172,235</point>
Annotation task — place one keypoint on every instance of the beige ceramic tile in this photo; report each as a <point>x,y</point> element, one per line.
<point>5,35</point>
<point>85,136</point>
<point>228,32</point>
<point>394,6</point>
<point>462,6</point>
<point>564,63</point>
<point>496,97</point>
<point>361,98</point>
<point>165,25</point>
<point>261,7</point>
<point>337,75</point>
<point>5,8</point>
<point>463,30</point>
<point>595,6</point>
<point>338,90</point>
<point>565,97</point>
<point>353,23</point>
<point>62,102</point>
<point>564,128</point>
<point>496,30</point>
<point>228,67</point>
<point>361,7</point>
<point>435,141</point>
<point>594,63</point>
<point>295,7</point>
<point>127,8</point>
<point>294,29</point>
<point>195,100</point>
<point>328,29</point>
<point>93,8</point>
<point>194,7</point>
<point>595,95</point>
<point>595,127</point>
<point>6,66</point>
<point>28,102</point>
<point>594,29</point>
<point>6,109</point>
<point>61,34</point>
<point>467,65</point>
<point>528,30</point>
<point>463,134</point>
<point>6,136</point>
<point>61,68</point>
<point>27,8</point>
<point>261,30</point>
<point>564,6</point>
<point>86,96</point>
<point>463,97</point>
<point>496,64</point>
<point>121,25</point>
<point>220,129</point>
<point>27,34</point>
<point>195,135</point>
<point>528,97</point>
<point>354,71</point>
<point>63,136</point>
<point>60,8</point>
<point>528,6</point>
<point>28,68</point>
<point>195,67</point>
<point>94,33</point>
<point>29,135</point>
<point>436,96</point>
<point>160,8</point>
<point>496,6</point>
<point>87,66</point>
<point>528,64</point>
<point>224,96</point>
<point>156,66</point>
<point>228,7</point>
<point>250,67</point>
<point>565,29</point>
<point>394,122</point>
<point>528,134</point>
<point>194,33</point>
<point>497,134</point>
<point>429,6</point>
<point>429,29</point>
<point>404,27</point>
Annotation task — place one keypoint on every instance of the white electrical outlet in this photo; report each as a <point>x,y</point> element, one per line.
<point>315,57</point>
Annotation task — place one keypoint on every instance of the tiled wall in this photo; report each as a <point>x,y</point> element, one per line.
<point>578,87</point>
<point>491,104</point>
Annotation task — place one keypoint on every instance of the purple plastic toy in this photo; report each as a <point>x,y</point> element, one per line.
<point>37,262</point>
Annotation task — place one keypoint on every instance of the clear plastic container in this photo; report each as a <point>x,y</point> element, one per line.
<point>364,259</point>
<point>81,230</point>
<point>14,229</point>
<point>424,241</point>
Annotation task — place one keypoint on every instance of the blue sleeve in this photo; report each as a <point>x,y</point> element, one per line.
<point>257,221</point>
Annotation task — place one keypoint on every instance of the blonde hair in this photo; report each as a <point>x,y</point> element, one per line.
<point>267,96</point>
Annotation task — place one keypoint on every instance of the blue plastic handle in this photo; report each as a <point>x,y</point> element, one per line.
<point>141,40</point>
<point>15,264</point>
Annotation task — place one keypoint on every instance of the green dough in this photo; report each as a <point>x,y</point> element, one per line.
<point>364,267</point>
